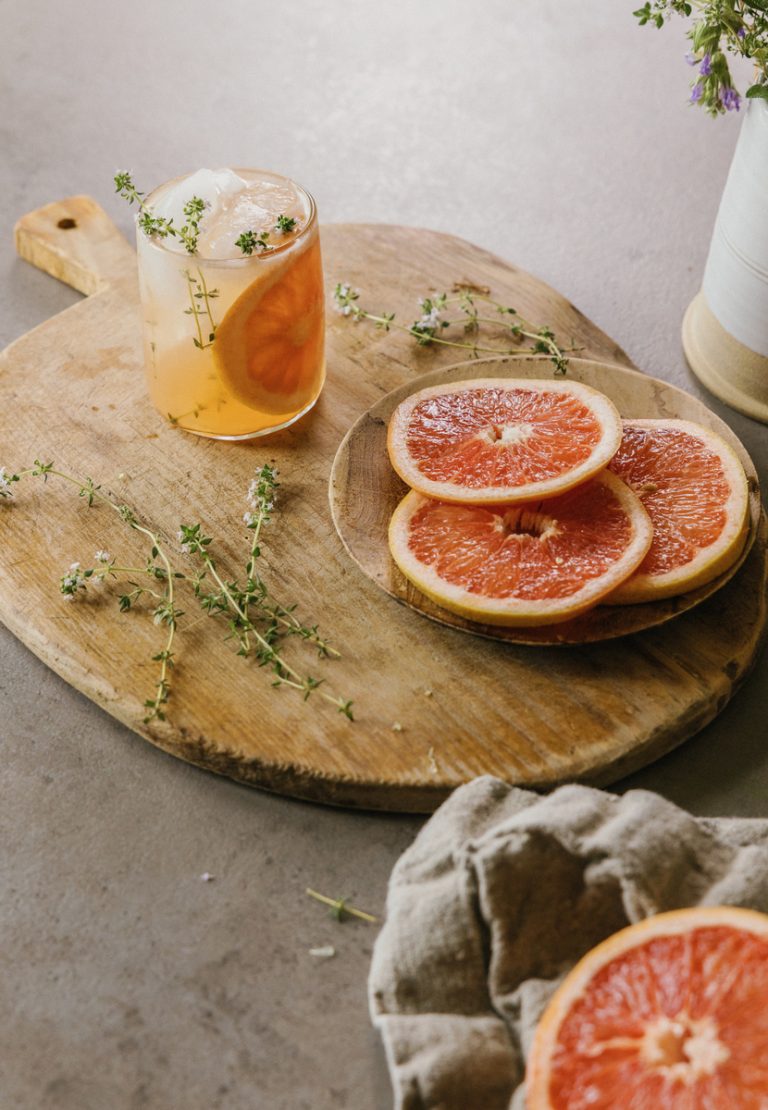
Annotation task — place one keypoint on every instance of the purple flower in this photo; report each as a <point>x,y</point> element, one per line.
<point>741,33</point>
<point>706,65</point>
<point>697,92</point>
<point>691,59</point>
<point>731,99</point>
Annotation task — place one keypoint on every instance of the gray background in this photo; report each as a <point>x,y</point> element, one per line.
<point>556,134</point>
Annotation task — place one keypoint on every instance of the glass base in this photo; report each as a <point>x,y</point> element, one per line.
<point>252,435</point>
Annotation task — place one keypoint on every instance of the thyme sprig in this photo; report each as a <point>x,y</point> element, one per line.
<point>200,308</point>
<point>477,308</point>
<point>251,241</point>
<point>258,241</point>
<point>159,226</point>
<point>255,618</point>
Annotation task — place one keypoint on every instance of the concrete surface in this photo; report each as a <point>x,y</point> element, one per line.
<point>556,134</point>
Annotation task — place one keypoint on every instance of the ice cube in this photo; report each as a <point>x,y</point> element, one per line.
<point>254,208</point>
<point>215,187</point>
<point>234,204</point>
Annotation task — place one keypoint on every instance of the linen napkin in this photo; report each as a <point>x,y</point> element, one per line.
<point>501,893</point>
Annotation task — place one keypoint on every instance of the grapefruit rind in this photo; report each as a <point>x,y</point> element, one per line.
<point>601,407</point>
<point>712,560</point>
<point>514,611</point>
<point>573,987</point>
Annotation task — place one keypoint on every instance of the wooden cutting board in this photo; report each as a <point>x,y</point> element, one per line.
<point>434,706</point>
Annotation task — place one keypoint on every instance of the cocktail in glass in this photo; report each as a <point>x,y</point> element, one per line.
<point>235,331</point>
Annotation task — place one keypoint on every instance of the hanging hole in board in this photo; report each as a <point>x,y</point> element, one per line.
<point>67,223</point>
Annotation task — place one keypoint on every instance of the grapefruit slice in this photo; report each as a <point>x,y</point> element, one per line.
<point>668,1014</point>
<point>522,565</point>
<point>502,440</point>
<point>695,491</point>
<point>269,348</point>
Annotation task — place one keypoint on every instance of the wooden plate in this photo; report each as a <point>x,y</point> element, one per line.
<point>365,490</point>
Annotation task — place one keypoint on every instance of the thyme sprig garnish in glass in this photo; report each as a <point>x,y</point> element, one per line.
<point>200,297</point>
<point>251,241</point>
<point>160,226</point>
<point>477,308</point>
<point>258,241</point>
<point>255,618</point>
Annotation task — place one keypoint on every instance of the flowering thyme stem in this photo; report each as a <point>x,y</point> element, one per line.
<point>430,327</point>
<point>231,597</point>
<point>165,613</point>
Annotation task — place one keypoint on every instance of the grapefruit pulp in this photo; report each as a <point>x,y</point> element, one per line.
<point>695,491</point>
<point>522,565</point>
<point>668,1014</point>
<point>502,440</point>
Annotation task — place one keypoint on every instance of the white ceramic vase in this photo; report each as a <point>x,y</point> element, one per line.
<point>725,330</point>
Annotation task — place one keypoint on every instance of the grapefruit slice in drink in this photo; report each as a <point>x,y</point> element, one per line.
<point>522,565</point>
<point>668,1014</point>
<point>501,440</point>
<point>269,348</point>
<point>695,491</point>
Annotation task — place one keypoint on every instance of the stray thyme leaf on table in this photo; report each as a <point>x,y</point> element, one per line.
<point>340,907</point>
<point>255,619</point>
<point>477,309</point>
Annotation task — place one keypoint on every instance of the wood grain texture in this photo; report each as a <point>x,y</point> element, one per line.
<point>73,391</point>
<point>365,490</point>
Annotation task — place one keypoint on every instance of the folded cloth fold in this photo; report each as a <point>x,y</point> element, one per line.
<point>501,893</point>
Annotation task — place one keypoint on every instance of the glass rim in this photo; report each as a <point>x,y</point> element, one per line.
<point>239,260</point>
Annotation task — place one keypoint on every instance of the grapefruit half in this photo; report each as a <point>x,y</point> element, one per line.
<point>694,489</point>
<point>522,565</point>
<point>502,440</point>
<point>668,1014</point>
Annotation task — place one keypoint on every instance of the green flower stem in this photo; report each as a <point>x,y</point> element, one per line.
<point>89,491</point>
<point>384,321</point>
<point>194,311</point>
<point>206,297</point>
<point>296,681</point>
<point>231,597</point>
<point>278,612</point>
<point>475,347</point>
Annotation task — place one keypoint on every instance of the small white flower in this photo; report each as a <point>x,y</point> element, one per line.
<point>249,519</point>
<point>185,547</point>
<point>72,582</point>
<point>5,485</point>
<point>102,557</point>
<point>206,877</point>
<point>342,296</point>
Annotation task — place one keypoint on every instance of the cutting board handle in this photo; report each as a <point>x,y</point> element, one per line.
<point>75,241</point>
